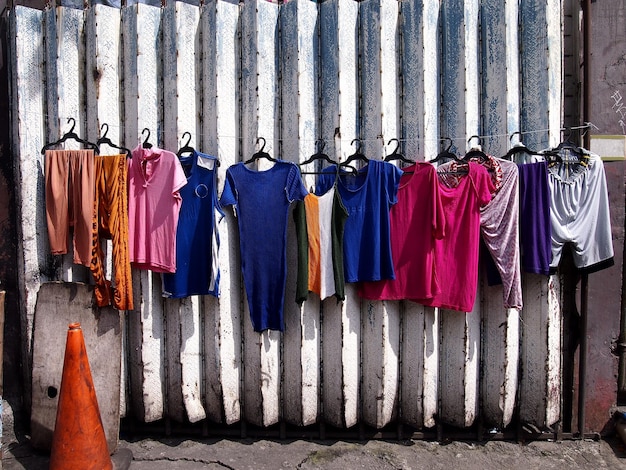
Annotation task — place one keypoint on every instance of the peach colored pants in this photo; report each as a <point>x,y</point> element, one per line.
<point>69,180</point>
<point>110,221</point>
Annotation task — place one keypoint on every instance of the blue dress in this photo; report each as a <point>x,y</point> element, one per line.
<point>368,197</point>
<point>197,238</point>
<point>261,201</point>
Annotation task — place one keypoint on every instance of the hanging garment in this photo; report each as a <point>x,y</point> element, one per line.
<point>417,220</point>
<point>456,255</point>
<point>320,222</point>
<point>110,221</point>
<point>579,213</point>
<point>197,238</point>
<point>535,225</point>
<point>261,202</point>
<point>367,195</point>
<point>69,182</point>
<point>155,178</point>
<point>499,227</point>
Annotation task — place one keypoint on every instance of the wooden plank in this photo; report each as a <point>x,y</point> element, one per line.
<point>347,24</point>
<point>497,391</point>
<point>499,324</point>
<point>432,84</point>
<point>534,73</point>
<point>512,57</point>
<point>494,77</point>
<point>472,74</point>
<point>388,76</point>
<point>534,353</point>
<point>432,97</point>
<point>459,356</point>
<point>452,110</point>
<point>180,29</point>
<point>301,347</point>
<point>412,371</point>
<point>378,119</point>
<point>554,33</point>
<point>220,129</point>
<point>331,324</point>
<point>26,42</point>
<point>369,114</point>
<point>67,51</point>
<point>102,26</point>
<point>413,79</point>
<point>141,109</point>
<point>553,357</point>
<point>59,304</point>
<point>381,346</point>
<point>261,352</point>
<point>535,21</point>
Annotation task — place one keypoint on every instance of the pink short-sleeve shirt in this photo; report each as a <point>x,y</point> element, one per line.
<point>456,254</point>
<point>155,177</point>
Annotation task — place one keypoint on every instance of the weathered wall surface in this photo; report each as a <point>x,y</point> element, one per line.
<point>337,70</point>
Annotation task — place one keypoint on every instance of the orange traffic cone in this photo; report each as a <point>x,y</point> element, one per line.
<point>78,441</point>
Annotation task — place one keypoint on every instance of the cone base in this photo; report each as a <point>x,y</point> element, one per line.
<point>122,459</point>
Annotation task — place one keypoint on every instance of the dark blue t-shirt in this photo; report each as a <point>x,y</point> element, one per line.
<point>261,201</point>
<point>368,195</point>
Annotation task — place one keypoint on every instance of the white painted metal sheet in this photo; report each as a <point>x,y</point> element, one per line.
<point>28,127</point>
<point>460,335</point>
<point>102,26</point>
<point>228,73</point>
<point>262,352</point>
<point>220,128</point>
<point>499,362</point>
<point>180,104</point>
<point>301,342</point>
<point>142,108</point>
<point>380,320</point>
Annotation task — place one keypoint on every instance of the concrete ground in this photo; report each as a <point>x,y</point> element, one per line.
<point>260,454</point>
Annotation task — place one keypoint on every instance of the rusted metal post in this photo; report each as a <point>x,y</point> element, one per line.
<point>2,293</point>
<point>582,371</point>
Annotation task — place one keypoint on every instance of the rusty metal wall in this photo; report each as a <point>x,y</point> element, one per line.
<point>228,72</point>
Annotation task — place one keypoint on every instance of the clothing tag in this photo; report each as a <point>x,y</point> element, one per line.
<point>208,163</point>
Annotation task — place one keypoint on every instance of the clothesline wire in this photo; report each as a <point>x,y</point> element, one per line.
<point>160,134</point>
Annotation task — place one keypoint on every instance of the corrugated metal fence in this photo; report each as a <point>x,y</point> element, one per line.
<point>228,72</point>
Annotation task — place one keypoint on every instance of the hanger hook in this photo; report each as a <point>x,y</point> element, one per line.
<point>514,134</point>
<point>397,145</point>
<point>104,126</point>
<point>474,137</point>
<point>145,129</point>
<point>320,144</point>
<point>358,148</point>
<point>73,121</point>
<point>567,133</point>
<point>585,130</point>
<point>262,146</point>
<point>449,145</point>
<point>186,144</point>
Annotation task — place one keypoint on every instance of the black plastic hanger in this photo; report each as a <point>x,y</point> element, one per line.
<point>105,140</point>
<point>567,151</point>
<point>260,153</point>
<point>518,148</point>
<point>146,144</point>
<point>319,154</point>
<point>395,155</point>
<point>357,155</point>
<point>71,135</point>
<point>445,155</point>
<point>186,147</point>
<point>475,152</point>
